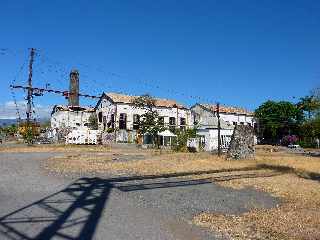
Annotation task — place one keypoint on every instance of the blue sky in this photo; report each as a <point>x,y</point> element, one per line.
<point>237,52</point>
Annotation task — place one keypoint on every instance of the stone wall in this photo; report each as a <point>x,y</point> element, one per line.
<point>242,143</point>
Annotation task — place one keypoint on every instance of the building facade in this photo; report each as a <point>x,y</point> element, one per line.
<point>73,117</point>
<point>117,113</point>
<point>230,115</point>
<point>206,121</point>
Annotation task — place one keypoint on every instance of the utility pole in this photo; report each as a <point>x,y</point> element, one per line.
<point>30,90</point>
<point>37,91</point>
<point>219,127</point>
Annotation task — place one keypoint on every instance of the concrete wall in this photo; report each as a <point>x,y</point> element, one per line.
<point>72,119</point>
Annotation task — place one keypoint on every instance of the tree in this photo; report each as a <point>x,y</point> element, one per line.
<point>277,119</point>
<point>309,131</point>
<point>309,104</point>
<point>28,135</point>
<point>180,143</point>
<point>11,130</point>
<point>93,122</point>
<point>149,122</point>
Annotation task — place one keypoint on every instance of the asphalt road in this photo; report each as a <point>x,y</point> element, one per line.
<point>37,205</point>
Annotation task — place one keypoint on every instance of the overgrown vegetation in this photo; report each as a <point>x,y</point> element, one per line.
<point>180,143</point>
<point>149,122</point>
<point>93,122</point>
<point>9,130</point>
<point>28,135</point>
<point>285,120</point>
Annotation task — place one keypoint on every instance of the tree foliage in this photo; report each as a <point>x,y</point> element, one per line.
<point>10,130</point>
<point>149,122</point>
<point>28,135</point>
<point>277,119</point>
<point>309,131</point>
<point>180,143</point>
<point>93,122</point>
<point>145,101</point>
<point>309,104</point>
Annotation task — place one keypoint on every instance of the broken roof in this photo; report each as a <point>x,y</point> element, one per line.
<point>212,123</point>
<point>160,102</point>
<point>228,109</point>
<point>72,108</point>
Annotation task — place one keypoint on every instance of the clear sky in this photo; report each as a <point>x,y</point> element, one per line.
<point>237,52</point>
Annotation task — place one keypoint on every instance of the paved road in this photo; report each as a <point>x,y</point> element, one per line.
<point>35,205</point>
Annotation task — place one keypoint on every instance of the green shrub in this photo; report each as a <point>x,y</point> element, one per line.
<point>180,143</point>
<point>306,144</point>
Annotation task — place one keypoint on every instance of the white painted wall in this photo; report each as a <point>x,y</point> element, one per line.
<point>82,136</point>
<point>237,118</point>
<point>207,118</point>
<point>211,138</point>
<point>72,119</point>
<point>107,108</point>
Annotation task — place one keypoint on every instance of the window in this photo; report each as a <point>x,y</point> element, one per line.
<point>172,123</point>
<point>100,117</point>
<point>123,121</point>
<point>111,122</point>
<point>104,123</point>
<point>196,118</point>
<point>161,120</point>
<point>136,121</point>
<point>234,123</point>
<point>241,123</point>
<point>182,123</point>
<point>249,124</point>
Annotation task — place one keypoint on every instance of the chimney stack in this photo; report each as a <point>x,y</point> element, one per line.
<point>74,88</point>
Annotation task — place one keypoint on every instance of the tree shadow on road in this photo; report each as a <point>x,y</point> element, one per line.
<point>74,212</point>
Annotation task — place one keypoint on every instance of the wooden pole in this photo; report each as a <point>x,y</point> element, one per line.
<point>28,126</point>
<point>30,91</point>
<point>219,128</point>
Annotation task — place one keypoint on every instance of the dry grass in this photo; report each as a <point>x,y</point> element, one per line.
<point>298,217</point>
<point>164,163</point>
<point>53,148</point>
<point>154,164</point>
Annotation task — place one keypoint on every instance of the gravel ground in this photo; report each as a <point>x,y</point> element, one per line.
<point>37,205</point>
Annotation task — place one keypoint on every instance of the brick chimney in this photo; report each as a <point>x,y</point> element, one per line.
<point>74,88</point>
